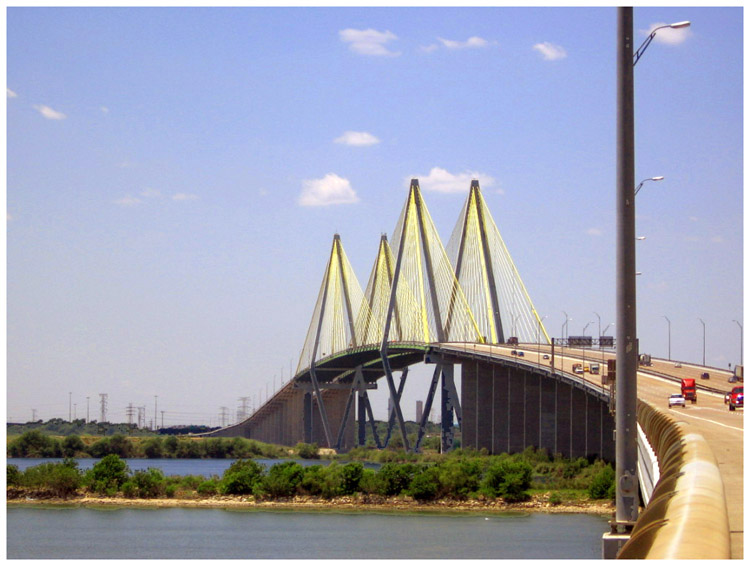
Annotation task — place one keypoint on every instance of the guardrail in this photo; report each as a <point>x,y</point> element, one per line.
<point>687,515</point>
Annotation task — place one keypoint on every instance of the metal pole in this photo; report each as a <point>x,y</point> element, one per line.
<point>669,338</point>
<point>704,341</point>
<point>626,448</point>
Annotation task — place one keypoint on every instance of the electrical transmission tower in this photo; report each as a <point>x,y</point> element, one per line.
<point>223,412</point>
<point>242,412</point>
<point>103,403</point>
<point>130,411</point>
<point>141,417</point>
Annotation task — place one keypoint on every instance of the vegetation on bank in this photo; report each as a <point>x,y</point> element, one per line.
<point>81,427</point>
<point>458,476</point>
<point>35,444</point>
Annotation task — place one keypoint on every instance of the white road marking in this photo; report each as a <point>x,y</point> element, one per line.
<point>712,422</point>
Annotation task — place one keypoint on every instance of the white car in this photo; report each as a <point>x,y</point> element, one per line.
<point>676,400</point>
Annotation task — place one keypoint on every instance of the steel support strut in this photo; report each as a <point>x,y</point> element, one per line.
<point>392,412</point>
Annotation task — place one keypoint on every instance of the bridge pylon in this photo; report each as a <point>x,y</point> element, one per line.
<point>490,280</point>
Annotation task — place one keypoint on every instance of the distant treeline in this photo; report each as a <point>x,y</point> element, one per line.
<point>35,444</point>
<point>453,477</point>
<point>80,427</point>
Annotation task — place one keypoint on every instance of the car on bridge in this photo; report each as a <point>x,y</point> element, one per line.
<point>705,375</point>
<point>736,398</point>
<point>676,400</point>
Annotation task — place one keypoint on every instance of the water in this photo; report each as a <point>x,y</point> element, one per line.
<point>170,466</point>
<point>128,533</point>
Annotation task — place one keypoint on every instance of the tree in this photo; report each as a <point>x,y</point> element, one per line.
<point>72,445</point>
<point>108,475</point>
<point>153,447</point>
<point>307,451</point>
<point>241,478</point>
<point>351,475</point>
<point>603,484</point>
<point>282,479</point>
<point>425,485</point>
<point>508,479</point>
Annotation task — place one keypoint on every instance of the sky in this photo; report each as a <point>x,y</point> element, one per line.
<point>175,177</point>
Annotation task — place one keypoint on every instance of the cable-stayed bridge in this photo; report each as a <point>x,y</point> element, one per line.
<point>465,304</point>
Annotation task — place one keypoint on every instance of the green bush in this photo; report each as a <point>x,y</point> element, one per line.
<point>59,479</point>
<point>12,475</point>
<point>351,476</point>
<point>307,451</point>
<point>35,444</point>
<point>369,482</point>
<point>425,485</point>
<point>72,446</point>
<point>603,484</point>
<point>117,444</point>
<point>395,478</point>
<point>153,447</point>
<point>170,446</point>
<point>312,481</point>
<point>508,479</point>
<point>108,475</point>
<point>147,484</point>
<point>555,498</point>
<point>241,478</point>
<point>208,487</point>
<point>459,479</point>
<point>282,480</point>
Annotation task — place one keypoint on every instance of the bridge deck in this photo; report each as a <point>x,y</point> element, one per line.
<point>722,429</point>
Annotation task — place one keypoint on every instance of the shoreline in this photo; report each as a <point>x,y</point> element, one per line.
<point>341,504</point>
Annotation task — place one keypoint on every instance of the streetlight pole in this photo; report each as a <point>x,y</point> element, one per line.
<point>741,342</point>
<point>600,324</point>
<point>704,341</point>
<point>626,448</point>
<point>669,338</point>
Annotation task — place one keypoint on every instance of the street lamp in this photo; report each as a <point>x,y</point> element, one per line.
<point>606,327</point>
<point>741,343</point>
<point>669,338</point>
<point>565,324</point>
<point>600,323</point>
<point>639,52</point>
<point>585,327</point>
<point>704,341</point>
<point>626,446</point>
<point>638,188</point>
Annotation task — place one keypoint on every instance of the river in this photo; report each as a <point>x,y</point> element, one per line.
<point>127,533</point>
<point>66,532</point>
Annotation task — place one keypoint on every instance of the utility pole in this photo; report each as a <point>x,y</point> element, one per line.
<point>87,410</point>
<point>103,410</point>
<point>223,411</point>
<point>162,419</point>
<point>155,425</point>
<point>70,399</point>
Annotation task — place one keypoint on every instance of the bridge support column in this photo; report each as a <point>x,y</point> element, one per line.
<point>449,404</point>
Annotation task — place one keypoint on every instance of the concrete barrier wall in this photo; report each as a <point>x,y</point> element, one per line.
<point>687,515</point>
<point>507,409</point>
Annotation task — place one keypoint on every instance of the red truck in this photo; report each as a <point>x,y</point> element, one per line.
<point>688,390</point>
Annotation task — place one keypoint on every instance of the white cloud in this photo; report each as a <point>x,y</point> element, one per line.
<point>49,113</point>
<point>128,201</point>
<point>441,181</point>
<point>357,138</point>
<point>429,48</point>
<point>11,94</point>
<point>550,51</point>
<point>331,189</point>
<point>669,36</point>
<point>150,193</point>
<point>368,41</point>
<point>471,43</point>
<point>184,196</point>
<point>104,110</point>
<point>594,232</point>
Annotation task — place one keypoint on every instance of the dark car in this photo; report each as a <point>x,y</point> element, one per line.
<point>737,398</point>
<point>705,375</point>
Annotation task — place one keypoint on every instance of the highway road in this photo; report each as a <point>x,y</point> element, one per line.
<point>723,429</point>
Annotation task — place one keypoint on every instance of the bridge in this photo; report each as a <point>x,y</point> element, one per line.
<point>465,305</point>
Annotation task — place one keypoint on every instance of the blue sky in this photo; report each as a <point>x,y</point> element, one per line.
<point>175,177</point>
